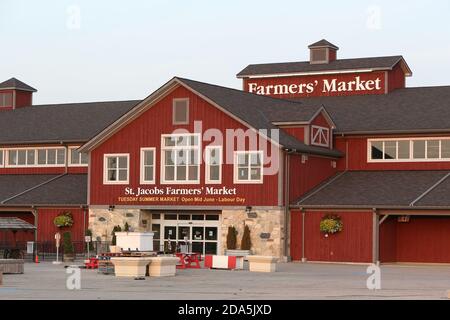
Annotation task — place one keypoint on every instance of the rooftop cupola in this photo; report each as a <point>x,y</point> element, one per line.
<point>322,52</point>
<point>15,94</point>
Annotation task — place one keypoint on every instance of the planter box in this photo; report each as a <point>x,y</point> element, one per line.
<point>130,266</point>
<point>224,262</point>
<point>12,266</point>
<point>238,253</point>
<point>262,263</point>
<point>142,241</point>
<point>115,249</point>
<point>162,266</point>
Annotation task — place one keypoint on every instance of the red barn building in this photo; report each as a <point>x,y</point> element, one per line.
<point>302,142</point>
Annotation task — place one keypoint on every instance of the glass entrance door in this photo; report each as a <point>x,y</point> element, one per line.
<point>193,233</point>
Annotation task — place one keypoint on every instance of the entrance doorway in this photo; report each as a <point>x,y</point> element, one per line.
<point>193,232</point>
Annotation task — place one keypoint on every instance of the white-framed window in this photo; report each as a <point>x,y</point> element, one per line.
<point>408,150</point>
<point>6,99</point>
<point>213,164</point>
<point>77,158</point>
<point>180,158</point>
<point>248,167</point>
<point>116,168</point>
<point>320,136</point>
<point>180,111</point>
<point>35,157</point>
<point>148,165</point>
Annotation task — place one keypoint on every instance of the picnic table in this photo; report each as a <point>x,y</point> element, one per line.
<point>91,263</point>
<point>189,260</point>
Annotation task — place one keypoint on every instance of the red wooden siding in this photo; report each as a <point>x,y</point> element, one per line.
<point>46,227</point>
<point>23,98</point>
<point>21,236</point>
<point>298,132</point>
<point>306,176</point>
<point>320,121</point>
<point>146,130</point>
<point>356,156</point>
<point>423,239</point>
<point>396,78</point>
<point>319,78</point>
<point>353,244</point>
<point>296,235</point>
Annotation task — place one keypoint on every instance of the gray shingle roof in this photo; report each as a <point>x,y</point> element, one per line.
<point>15,224</point>
<point>14,83</point>
<point>380,63</point>
<point>372,189</point>
<point>323,43</point>
<point>75,122</point>
<point>256,111</point>
<point>29,189</point>
<point>408,110</point>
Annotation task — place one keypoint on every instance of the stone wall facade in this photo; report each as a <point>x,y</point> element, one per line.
<point>266,226</point>
<point>266,230</point>
<point>102,221</point>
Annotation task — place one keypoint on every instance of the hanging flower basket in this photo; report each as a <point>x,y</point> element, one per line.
<point>65,219</point>
<point>331,224</point>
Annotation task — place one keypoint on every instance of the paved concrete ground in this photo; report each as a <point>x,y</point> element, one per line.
<point>292,281</point>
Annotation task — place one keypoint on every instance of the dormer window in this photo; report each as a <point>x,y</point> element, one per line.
<point>181,111</point>
<point>6,100</point>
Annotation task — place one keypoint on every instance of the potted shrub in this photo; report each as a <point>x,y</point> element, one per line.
<point>69,252</point>
<point>331,224</point>
<point>232,243</point>
<point>246,242</point>
<point>113,248</point>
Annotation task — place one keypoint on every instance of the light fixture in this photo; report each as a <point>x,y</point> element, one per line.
<point>111,207</point>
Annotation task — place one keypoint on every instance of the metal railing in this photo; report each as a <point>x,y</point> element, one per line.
<point>46,250</point>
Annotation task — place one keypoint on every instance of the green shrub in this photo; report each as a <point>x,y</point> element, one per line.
<point>246,242</point>
<point>113,233</point>
<point>126,228</point>
<point>231,238</point>
<point>67,243</point>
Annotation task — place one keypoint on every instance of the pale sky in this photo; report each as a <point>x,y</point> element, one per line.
<point>85,50</point>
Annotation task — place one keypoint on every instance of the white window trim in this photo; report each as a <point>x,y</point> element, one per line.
<point>235,168</point>
<point>207,165</point>
<point>142,169</point>
<point>162,163</point>
<point>411,150</point>
<point>70,159</point>
<point>35,165</point>
<point>105,168</point>
<point>320,129</point>
<point>174,101</point>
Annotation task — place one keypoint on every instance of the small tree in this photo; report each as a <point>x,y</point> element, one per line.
<point>246,242</point>
<point>126,228</point>
<point>113,233</point>
<point>67,243</point>
<point>231,238</point>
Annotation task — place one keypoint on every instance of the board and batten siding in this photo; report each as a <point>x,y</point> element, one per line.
<point>146,131</point>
